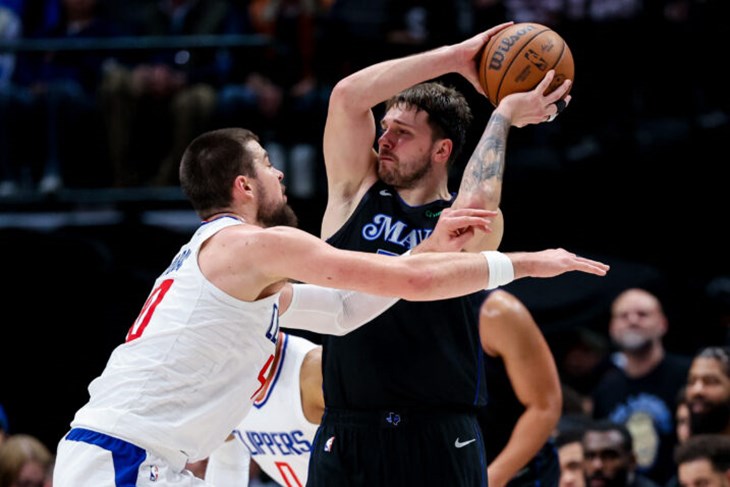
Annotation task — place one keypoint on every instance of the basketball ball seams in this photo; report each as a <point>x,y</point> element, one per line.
<point>557,81</point>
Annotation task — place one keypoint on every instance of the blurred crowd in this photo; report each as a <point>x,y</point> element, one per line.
<point>120,117</point>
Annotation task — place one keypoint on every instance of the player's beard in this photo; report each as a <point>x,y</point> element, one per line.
<point>714,419</point>
<point>281,215</point>
<point>275,215</point>
<point>395,175</point>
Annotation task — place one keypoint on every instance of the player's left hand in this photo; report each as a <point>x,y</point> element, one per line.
<point>533,107</point>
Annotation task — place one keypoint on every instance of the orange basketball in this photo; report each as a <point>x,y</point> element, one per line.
<point>518,57</point>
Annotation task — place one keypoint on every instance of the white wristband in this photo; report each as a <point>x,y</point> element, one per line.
<point>501,270</point>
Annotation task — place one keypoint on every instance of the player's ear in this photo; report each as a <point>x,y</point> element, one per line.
<point>442,150</point>
<point>243,184</point>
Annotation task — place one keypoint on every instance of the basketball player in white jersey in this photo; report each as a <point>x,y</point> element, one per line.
<point>277,432</point>
<point>201,348</point>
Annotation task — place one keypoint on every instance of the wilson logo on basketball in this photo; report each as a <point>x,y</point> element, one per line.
<point>505,45</point>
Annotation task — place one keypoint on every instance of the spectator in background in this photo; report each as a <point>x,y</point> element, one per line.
<point>55,91</point>
<point>641,390</point>
<point>276,90</point>
<point>24,462</point>
<point>609,457</point>
<point>156,103</point>
<point>682,417</point>
<point>568,441</point>
<point>708,391</point>
<point>704,461</point>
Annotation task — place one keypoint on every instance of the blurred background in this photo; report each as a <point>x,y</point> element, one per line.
<point>98,99</point>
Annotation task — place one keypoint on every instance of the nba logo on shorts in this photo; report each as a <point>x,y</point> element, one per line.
<point>328,444</point>
<point>154,473</point>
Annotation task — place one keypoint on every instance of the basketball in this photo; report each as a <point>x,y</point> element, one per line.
<point>517,58</point>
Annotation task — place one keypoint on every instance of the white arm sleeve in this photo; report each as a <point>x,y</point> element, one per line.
<point>332,311</point>
<point>228,465</point>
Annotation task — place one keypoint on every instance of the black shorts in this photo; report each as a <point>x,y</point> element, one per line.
<point>397,449</point>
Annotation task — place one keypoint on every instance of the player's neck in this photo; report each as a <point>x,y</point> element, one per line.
<point>222,214</point>
<point>424,192</point>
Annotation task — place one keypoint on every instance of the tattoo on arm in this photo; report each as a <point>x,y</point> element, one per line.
<point>484,171</point>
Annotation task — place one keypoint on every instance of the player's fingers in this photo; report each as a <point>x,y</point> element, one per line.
<point>543,85</point>
<point>497,28</point>
<point>560,93</point>
<point>589,269</point>
<point>464,222</point>
<point>592,266</point>
<point>557,107</point>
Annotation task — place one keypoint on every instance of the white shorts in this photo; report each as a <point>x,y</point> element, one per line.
<point>86,458</point>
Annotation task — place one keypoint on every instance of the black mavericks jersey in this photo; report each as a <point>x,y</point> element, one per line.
<point>416,355</point>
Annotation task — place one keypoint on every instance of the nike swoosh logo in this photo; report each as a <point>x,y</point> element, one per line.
<point>385,192</point>
<point>462,444</point>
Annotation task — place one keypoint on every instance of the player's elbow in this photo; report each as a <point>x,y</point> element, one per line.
<point>345,96</point>
<point>552,407</point>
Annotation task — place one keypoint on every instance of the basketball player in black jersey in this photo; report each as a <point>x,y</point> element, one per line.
<point>402,394</point>
<point>524,398</point>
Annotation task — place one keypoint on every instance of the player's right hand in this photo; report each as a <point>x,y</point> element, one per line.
<point>468,53</point>
<point>454,229</point>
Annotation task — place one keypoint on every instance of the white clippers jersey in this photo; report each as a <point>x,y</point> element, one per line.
<point>275,431</point>
<point>191,365</point>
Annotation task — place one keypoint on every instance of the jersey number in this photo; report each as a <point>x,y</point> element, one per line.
<point>288,475</point>
<point>272,333</point>
<point>145,315</point>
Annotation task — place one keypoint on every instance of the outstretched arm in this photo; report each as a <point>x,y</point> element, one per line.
<point>250,262</point>
<point>508,330</point>
<point>422,277</point>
